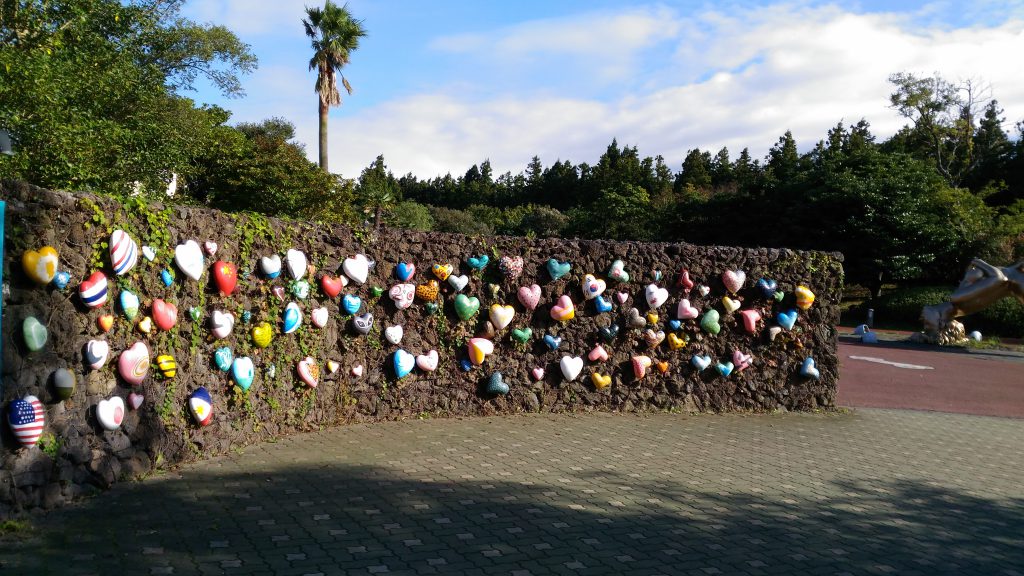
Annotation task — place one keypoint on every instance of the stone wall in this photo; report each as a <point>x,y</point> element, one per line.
<point>76,455</point>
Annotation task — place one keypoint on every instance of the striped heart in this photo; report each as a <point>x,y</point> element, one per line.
<point>27,419</point>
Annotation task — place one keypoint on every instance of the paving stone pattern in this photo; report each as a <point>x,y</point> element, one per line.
<point>867,492</point>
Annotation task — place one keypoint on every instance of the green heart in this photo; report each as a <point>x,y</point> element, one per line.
<point>194,313</point>
<point>431,307</point>
<point>710,322</point>
<point>466,306</point>
<point>523,335</point>
<point>376,291</point>
<point>35,333</point>
<point>779,295</point>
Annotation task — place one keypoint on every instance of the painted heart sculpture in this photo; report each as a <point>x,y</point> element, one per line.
<point>730,305</point>
<point>145,325</point>
<point>458,282</point>
<point>210,247</point>
<point>529,296</point>
<point>363,323</point>
<point>684,281</point>
<point>675,342</point>
<point>634,319</point>
<point>431,308</point>
<point>466,306</point>
<point>809,370</point>
<point>41,266</point>
<point>166,277</point>
<point>222,323</point>
<point>189,258</point>
<point>804,297</point>
<point>376,291</point>
<point>149,253</point>
<point>661,365</point>
<point>703,290</point>
<point>479,349</point>
<point>271,266</point>
<point>501,315</point>
<point>609,333</point>
<point>129,304</point>
<point>773,332</point>
<point>96,353</point>
<point>93,290</point>
<point>750,319</point>
<point>552,341</point>
<point>700,362</point>
<point>394,334</point>
<point>592,287</point>
<point>709,322</point>
<point>640,366</point>
<point>653,339</point>
<point>34,333</point>
<point>493,290</point>
<point>200,404</point>
<point>357,371</point>
<point>571,367</point>
<point>404,271</point>
<point>165,314</point>
<point>656,296</point>
<point>332,285</point>
<point>124,252</point>
<point>351,303</point>
<point>309,371</point>
<point>428,292</point>
<point>243,372</point>
<point>291,317</point>
<point>602,305</point>
<point>496,385</point>
<point>779,295</point>
<point>618,272</point>
<point>442,271</point>
<point>733,280</point>
<point>598,354</point>
<point>511,266</point>
<point>135,400</point>
<point>537,373</point>
<point>133,364</point>
<point>787,319</point>
<point>741,360</point>
<point>601,381</point>
<point>622,297</point>
<point>110,413</point>
<point>522,335</point>
<point>357,268</point>
<point>167,365</point>
<point>319,316</point>
<point>278,292</point>
<point>686,311</point>
<point>27,418</point>
<point>652,318</point>
<point>262,334</point>
<point>61,279</point>
<point>563,310</point>
<point>767,287</point>
<point>333,366</point>
<point>195,313</point>
<point>724,369</point>
<point>403,363</point>
<point>478,262</point>
<point>674,324</point>
<point>427,362</point>
<point>225,275</point>
<point>402,295</point>
<point>296,262</point>
<point>558,269</point>
<point>223,357</point>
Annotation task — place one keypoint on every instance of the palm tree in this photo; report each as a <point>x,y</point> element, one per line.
<point>334,35</point>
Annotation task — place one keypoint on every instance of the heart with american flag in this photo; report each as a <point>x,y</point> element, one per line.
<point>27,419</point>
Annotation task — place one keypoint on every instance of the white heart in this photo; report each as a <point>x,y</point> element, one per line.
<point>189,258</point>
<point>592,287</point>
<point>271,265</point>
<point>319,316</point>
<point>656,296</point>
<point>149,253</point>
<point>211,247</point>
<point>501,316</point>
<point>296,261</point>
<point>332,366</point>
<point>704,290</point>
<point>394,334</point>
<point>357,268</point>
<point>427,362</point>
<point>110,413</point>
<point>222,323</point>
<point>571,367</point>
<point>357,370</point>
<point>96,352</point>
<point>458,282</point>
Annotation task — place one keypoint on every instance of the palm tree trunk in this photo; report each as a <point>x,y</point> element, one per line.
<point>323,136</point>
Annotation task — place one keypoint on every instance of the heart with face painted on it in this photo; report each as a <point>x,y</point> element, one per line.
<point>363,323</point>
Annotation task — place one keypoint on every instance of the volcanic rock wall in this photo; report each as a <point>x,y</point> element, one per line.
<point>773,352</point>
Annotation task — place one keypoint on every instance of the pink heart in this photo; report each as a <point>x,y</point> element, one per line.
<point>598,354</point>
<point>563,310</point>
<point>750,319</point>
<point>733,280</point>
<point>621,297</point>
<point>357,370</point>
<point>211,247</point>
<point>133,364</point>
<point>741,360</point>
<point>309,371</point>
<point>165,314</point>
<point>319,316</point>
<point>530,296</point>
<point>427,362</point>
<point>278,291</point>
<point>538,373</point>
<point>135,400</point>
<point>685,311</point>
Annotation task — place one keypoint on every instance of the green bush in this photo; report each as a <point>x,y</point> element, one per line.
<point>902,308</point>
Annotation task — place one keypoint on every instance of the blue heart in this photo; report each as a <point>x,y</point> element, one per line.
<point>700,362</point>
<point>246,316</point>
<point>404,271</point>
<point>478,262</point>
<point>674,324</point>
<point>767,287</point>
<point>786,319</point>
<point>602,305</point>
<point>242,372</point>
<point>809,370</point>
<point>165,275</point>
<point>552,341</point>
<point>496,386</point>
<point>223,357</point>
<point>466,365</point>
<point>558,269</point>
<point>292,318</point>
<point>351,303</point>
<point>61,279</point>
<point>404,363</point>
<point>724,369</point>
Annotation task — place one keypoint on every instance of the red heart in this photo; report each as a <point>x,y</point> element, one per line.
<point>332,285</point>
<point>226,276</point>
<point>165,314</point>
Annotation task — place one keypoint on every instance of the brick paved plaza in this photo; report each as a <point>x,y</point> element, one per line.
<point>862,492</point>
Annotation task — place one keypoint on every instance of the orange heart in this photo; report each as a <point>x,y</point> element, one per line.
<point>106,322</point>
<point>428,291</point>
<point>661,366</point>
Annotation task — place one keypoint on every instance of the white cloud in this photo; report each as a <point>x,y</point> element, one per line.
<point>707,80</point>
<point>248,17</point>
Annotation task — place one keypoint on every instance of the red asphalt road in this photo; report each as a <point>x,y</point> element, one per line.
<point>957,382</point>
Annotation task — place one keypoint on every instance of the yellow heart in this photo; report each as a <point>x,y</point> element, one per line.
<point>442,271</point>
<point>804,297</point>
<point>652,318</point>
<point>262,334</point>
<point>40,266</point>
<point>730,305</point>
<point>675,342</point>
<point>146,325</point>
<point>600,381</point>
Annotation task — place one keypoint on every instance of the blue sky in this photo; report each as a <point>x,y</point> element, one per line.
<point>442,85</point>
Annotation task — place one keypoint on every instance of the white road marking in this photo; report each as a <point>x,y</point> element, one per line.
<point>891,363</point>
